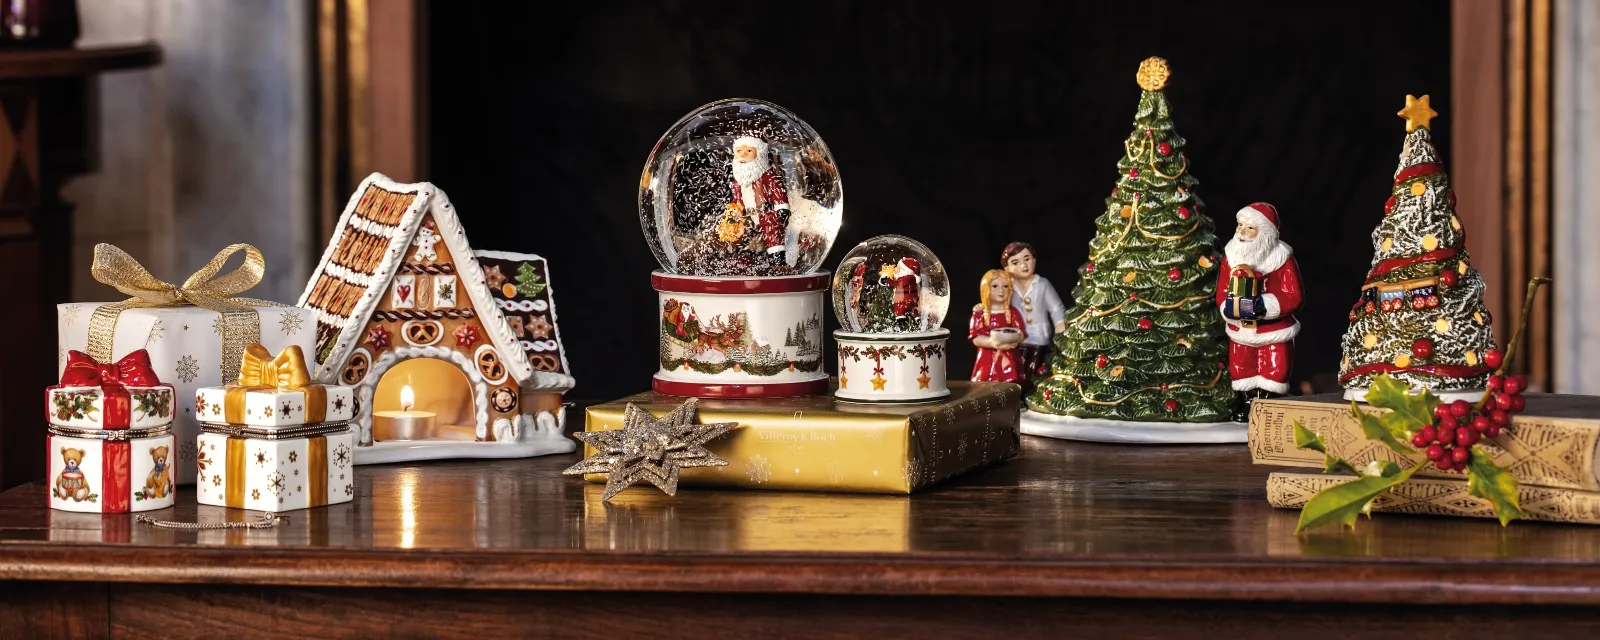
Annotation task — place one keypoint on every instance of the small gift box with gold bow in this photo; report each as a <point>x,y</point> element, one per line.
<point>274,392</point>
<point>194,333</point>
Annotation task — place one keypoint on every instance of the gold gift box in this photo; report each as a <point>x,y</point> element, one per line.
<point>816,443</point>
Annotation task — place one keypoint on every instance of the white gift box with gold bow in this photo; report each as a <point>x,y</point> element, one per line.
<point>190,346</point>
<point>272,392</point>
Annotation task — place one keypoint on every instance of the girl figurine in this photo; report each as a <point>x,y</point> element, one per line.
<point>997,330</point>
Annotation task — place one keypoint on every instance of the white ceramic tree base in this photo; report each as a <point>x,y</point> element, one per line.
<point>1130,432</point>
<point>1470,395</point>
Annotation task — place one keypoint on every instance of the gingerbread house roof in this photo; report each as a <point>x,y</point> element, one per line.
<point>368,250</point>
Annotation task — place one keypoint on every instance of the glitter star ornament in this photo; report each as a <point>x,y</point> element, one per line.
<point>650,449</point>
<point>1418,113</point>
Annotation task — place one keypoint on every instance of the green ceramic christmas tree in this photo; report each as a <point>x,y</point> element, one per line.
<point>1144,340</point>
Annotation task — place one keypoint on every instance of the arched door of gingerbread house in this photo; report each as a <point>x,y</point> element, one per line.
<point>437,388</point>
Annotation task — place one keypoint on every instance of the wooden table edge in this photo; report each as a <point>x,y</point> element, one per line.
<point>1485,582</point>
<point>20,64</point>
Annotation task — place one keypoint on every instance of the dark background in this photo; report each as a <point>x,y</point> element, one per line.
<point>964,125</point>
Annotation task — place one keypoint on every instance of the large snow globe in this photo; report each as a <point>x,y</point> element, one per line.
<point>890,295</point>
<point>740,201</point>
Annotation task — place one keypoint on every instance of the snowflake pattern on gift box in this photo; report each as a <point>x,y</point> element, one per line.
<point>157,332</point>
<point>201,464</point>
<point>255,494</point>
<point>284,410</point>
<point>290,322</point>
<point>349,490</point>
<point>758,469</point>
<point>294,456</point>
<point>216,324</point>
<point>69,314</point>
<point>341,456</point>
<point>188,369</point>
<point>199,405</point>
<point>261,458</point>
<point>275,483</point>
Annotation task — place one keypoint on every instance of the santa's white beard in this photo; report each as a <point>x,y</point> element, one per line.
<point>1264,253</point>
<point>745,172</point>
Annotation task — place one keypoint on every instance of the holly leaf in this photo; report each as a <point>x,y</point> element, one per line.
<point>1490,481</point>
<point>1307,439</point>
<point>1379,428</point>
<point>1342,503</point>
<point>1407,412</point>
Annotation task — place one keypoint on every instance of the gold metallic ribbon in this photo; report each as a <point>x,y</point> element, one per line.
<point>205,289</point>
<point>235,470</point>
<point>260,371</point>
<point>317,464</point>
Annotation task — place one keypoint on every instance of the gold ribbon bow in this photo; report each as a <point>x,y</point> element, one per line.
<point>260,371</point>
<point>205,289</point>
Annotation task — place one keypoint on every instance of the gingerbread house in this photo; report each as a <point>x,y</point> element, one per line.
<point>416,320</point>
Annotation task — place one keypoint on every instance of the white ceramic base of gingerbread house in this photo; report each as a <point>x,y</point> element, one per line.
<point>740,337</point>
<point>461,443</point>
<point>892,367</point>
<point>1132,432</point>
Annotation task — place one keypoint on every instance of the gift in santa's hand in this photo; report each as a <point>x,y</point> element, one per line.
<point>1244,294</point>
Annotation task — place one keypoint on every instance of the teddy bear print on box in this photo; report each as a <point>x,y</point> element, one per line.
<point>400,282</point>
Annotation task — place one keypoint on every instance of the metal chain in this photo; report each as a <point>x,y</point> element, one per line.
<point>266,521</point>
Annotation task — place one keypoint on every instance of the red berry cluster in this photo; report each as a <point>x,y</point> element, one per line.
<point>1459,425</point>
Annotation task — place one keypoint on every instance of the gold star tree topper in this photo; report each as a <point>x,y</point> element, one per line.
<point>1417,113</point>
<point>1153,74</point>
<point>650,449</point>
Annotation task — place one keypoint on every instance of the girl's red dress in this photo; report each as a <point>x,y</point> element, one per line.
<point>994,365</point>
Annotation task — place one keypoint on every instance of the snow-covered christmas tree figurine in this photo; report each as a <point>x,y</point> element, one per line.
<point>1143,340</point>
<point>1420,317</point>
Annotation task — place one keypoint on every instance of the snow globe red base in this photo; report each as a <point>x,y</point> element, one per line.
<point>890,295</point>
<point>740,202</point>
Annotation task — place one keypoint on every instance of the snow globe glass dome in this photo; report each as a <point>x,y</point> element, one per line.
<point>740,187</point>
<point>740,201</point>
<point>890,295</point>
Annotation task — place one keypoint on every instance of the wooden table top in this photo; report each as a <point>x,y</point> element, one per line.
<point>1062,519</point>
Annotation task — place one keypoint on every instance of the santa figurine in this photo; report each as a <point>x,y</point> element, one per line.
<point>907,295</point>
<point>1258,292</point>
<point>760,193</point>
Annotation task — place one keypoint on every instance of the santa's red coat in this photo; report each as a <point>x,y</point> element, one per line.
<point>1282,297</point>
<point>772,203</point>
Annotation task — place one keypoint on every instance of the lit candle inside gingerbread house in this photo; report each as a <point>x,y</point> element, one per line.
<point>405,424</point>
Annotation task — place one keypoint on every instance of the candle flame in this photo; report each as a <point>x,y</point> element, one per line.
<point>407,398</point>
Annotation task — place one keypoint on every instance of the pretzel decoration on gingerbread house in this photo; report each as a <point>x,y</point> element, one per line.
<point>424,326</point>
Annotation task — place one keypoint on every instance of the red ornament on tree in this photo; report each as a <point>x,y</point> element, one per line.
<point>1493,358</point>
<point>1422,348</point>
<point>1088,268</point>
<point>1164,148</point>
<point>1447,278</point>
<point>1145,324</point>
<point>1183,212</point>
<point>1133,173</point>
<point>1171,405</point>
<point>1102,361</point>
<point>1174,274</point>
<point>1133,296</point>
<point>1047,395</point>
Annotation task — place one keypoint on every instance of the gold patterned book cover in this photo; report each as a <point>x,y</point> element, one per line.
<point>1552,444</point>
<point>817,443</point>
<point>1442,497</point>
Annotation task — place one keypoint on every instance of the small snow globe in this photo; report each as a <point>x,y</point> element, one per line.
<point>740,201</point>
<point>890,295</point>
<point>740,188</point>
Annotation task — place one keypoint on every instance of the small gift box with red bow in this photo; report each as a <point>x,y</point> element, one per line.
<point>272,393</point>
<point>110,447</point>
<point>122,395</point>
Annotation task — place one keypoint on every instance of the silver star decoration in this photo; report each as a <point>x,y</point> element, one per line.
<point>650,449</point>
